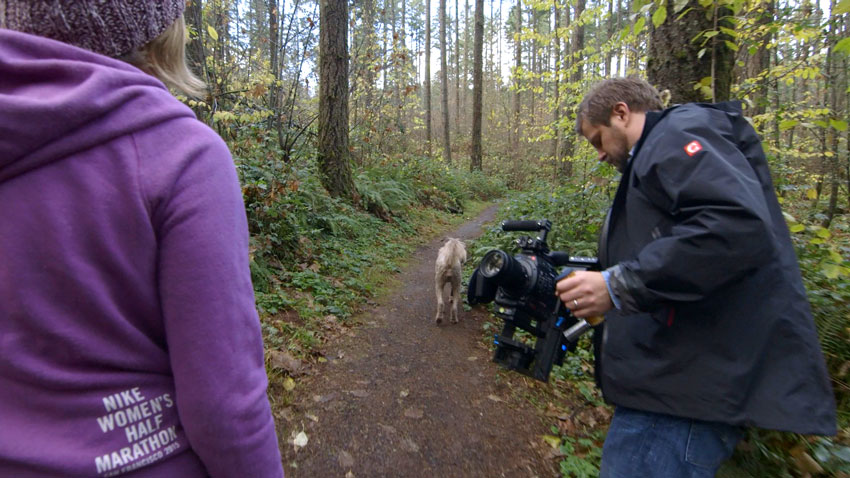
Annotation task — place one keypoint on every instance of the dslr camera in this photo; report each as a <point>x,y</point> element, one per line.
<point>522,288</point>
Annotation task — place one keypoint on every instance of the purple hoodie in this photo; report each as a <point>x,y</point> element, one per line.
<point>129,341</point>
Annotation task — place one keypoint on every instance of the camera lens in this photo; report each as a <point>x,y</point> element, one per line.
<point>492,263</point>
<point>502,268</point>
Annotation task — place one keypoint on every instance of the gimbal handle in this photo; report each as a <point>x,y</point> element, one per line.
<point>542,225</point>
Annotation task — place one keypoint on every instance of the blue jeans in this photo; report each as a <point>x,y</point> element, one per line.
<point>651,445</point>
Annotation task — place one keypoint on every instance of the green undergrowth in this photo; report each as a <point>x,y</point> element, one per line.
<point>317,260</point>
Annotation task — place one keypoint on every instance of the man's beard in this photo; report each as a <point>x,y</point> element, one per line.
<point>620,156</point>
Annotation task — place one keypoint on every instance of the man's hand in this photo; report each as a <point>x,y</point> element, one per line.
<point>585,294</point>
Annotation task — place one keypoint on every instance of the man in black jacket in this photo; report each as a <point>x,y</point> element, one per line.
<point>707,328</point>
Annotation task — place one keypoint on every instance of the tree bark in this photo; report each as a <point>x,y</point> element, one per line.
<point>759,62</point>
<point>428,75</point>
<point>274,91</point>
<point>467,65</point>
<point>477,87</point>
<point>556,111</point>
<point>517,66</point>
<point>457,66</point>
<point>571,55</point>
<point>674,61</point>
<point>333,153</point>
<point>197,56</point>
<point>444,85</point>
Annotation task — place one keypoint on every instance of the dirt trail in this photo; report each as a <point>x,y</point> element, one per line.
<point>403,397</point>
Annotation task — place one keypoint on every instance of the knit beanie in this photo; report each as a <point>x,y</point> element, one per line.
<point>109,27</point>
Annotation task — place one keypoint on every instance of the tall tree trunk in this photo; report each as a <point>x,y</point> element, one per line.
<point>571,57</point>
<point>477,87</point>
<point>517,65</point>
<point>444,85</point>
<point>836,80</point>
<point>428,75</point>
<point>578,44</point>
<point>274,63</point>
<point>467,65</point>
<point>457,66</point>
<point>533,59</point>
<point>674,61</point>
<point>398,67</point>
<point>759,62</point>
<point>333,154</point>
<point>499,37</point>
<point>556,111</point>
<point>610,25</point>
<point>370,59</point>
<point>194,16</point>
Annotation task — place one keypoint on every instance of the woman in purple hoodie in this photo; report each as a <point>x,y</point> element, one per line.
<point>129,341</point>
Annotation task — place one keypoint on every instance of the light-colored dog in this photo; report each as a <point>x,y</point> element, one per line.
<point>449,268</point>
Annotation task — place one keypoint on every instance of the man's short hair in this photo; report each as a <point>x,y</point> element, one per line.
<point>597,105</point>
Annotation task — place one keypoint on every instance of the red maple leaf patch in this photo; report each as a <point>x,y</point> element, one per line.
<point>693,148</point>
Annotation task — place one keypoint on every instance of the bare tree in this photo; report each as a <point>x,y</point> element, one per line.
<point>274,63</point>
<point>444,84</point>
<point>428,74</point>
<point>333,154</point>
<point>457,66</point>
<point>517,65</point>
<point>556,111</point>
<point>477,86</point>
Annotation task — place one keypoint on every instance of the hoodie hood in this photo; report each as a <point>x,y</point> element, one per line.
<point>57,100</point>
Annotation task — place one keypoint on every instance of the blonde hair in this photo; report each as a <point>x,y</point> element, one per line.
<point>165,58</point>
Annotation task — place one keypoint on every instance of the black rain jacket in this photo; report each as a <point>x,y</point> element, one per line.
<point>715,324</point>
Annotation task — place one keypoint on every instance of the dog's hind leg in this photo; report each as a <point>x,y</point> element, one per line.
<point>455,298</point>
<point>439,287</point>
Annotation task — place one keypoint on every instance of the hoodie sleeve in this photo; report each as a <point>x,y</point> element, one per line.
<point>720,226</point>
<point>211,324</point>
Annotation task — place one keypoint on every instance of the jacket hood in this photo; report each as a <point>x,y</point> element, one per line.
<point>57,100</point>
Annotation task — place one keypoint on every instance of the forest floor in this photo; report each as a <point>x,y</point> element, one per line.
<point>400,396</point>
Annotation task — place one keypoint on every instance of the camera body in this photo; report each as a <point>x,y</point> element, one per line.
<point>522,288</point>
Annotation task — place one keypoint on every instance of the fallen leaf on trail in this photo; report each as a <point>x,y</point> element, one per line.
<point>345,459</point>
<point>289,384</point>
<point>349,474</point>
<point>568,427</point>
<point>552,440</point>
<point>322,360</point>
<point>404,393</point>
<point>324,398</point>
<point>300,440</point>
<point>494,398</point>
<point>586,418</point>
<point>312,417</point>
<point>359,393</point>
<point>387,428</point>
<point>409,445</point>
<point>283,360</point>
<point>285,414</point>
<point>604,413</point>
<point>805,463</point>
<point>413,413</point>
<point>472,359</point>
